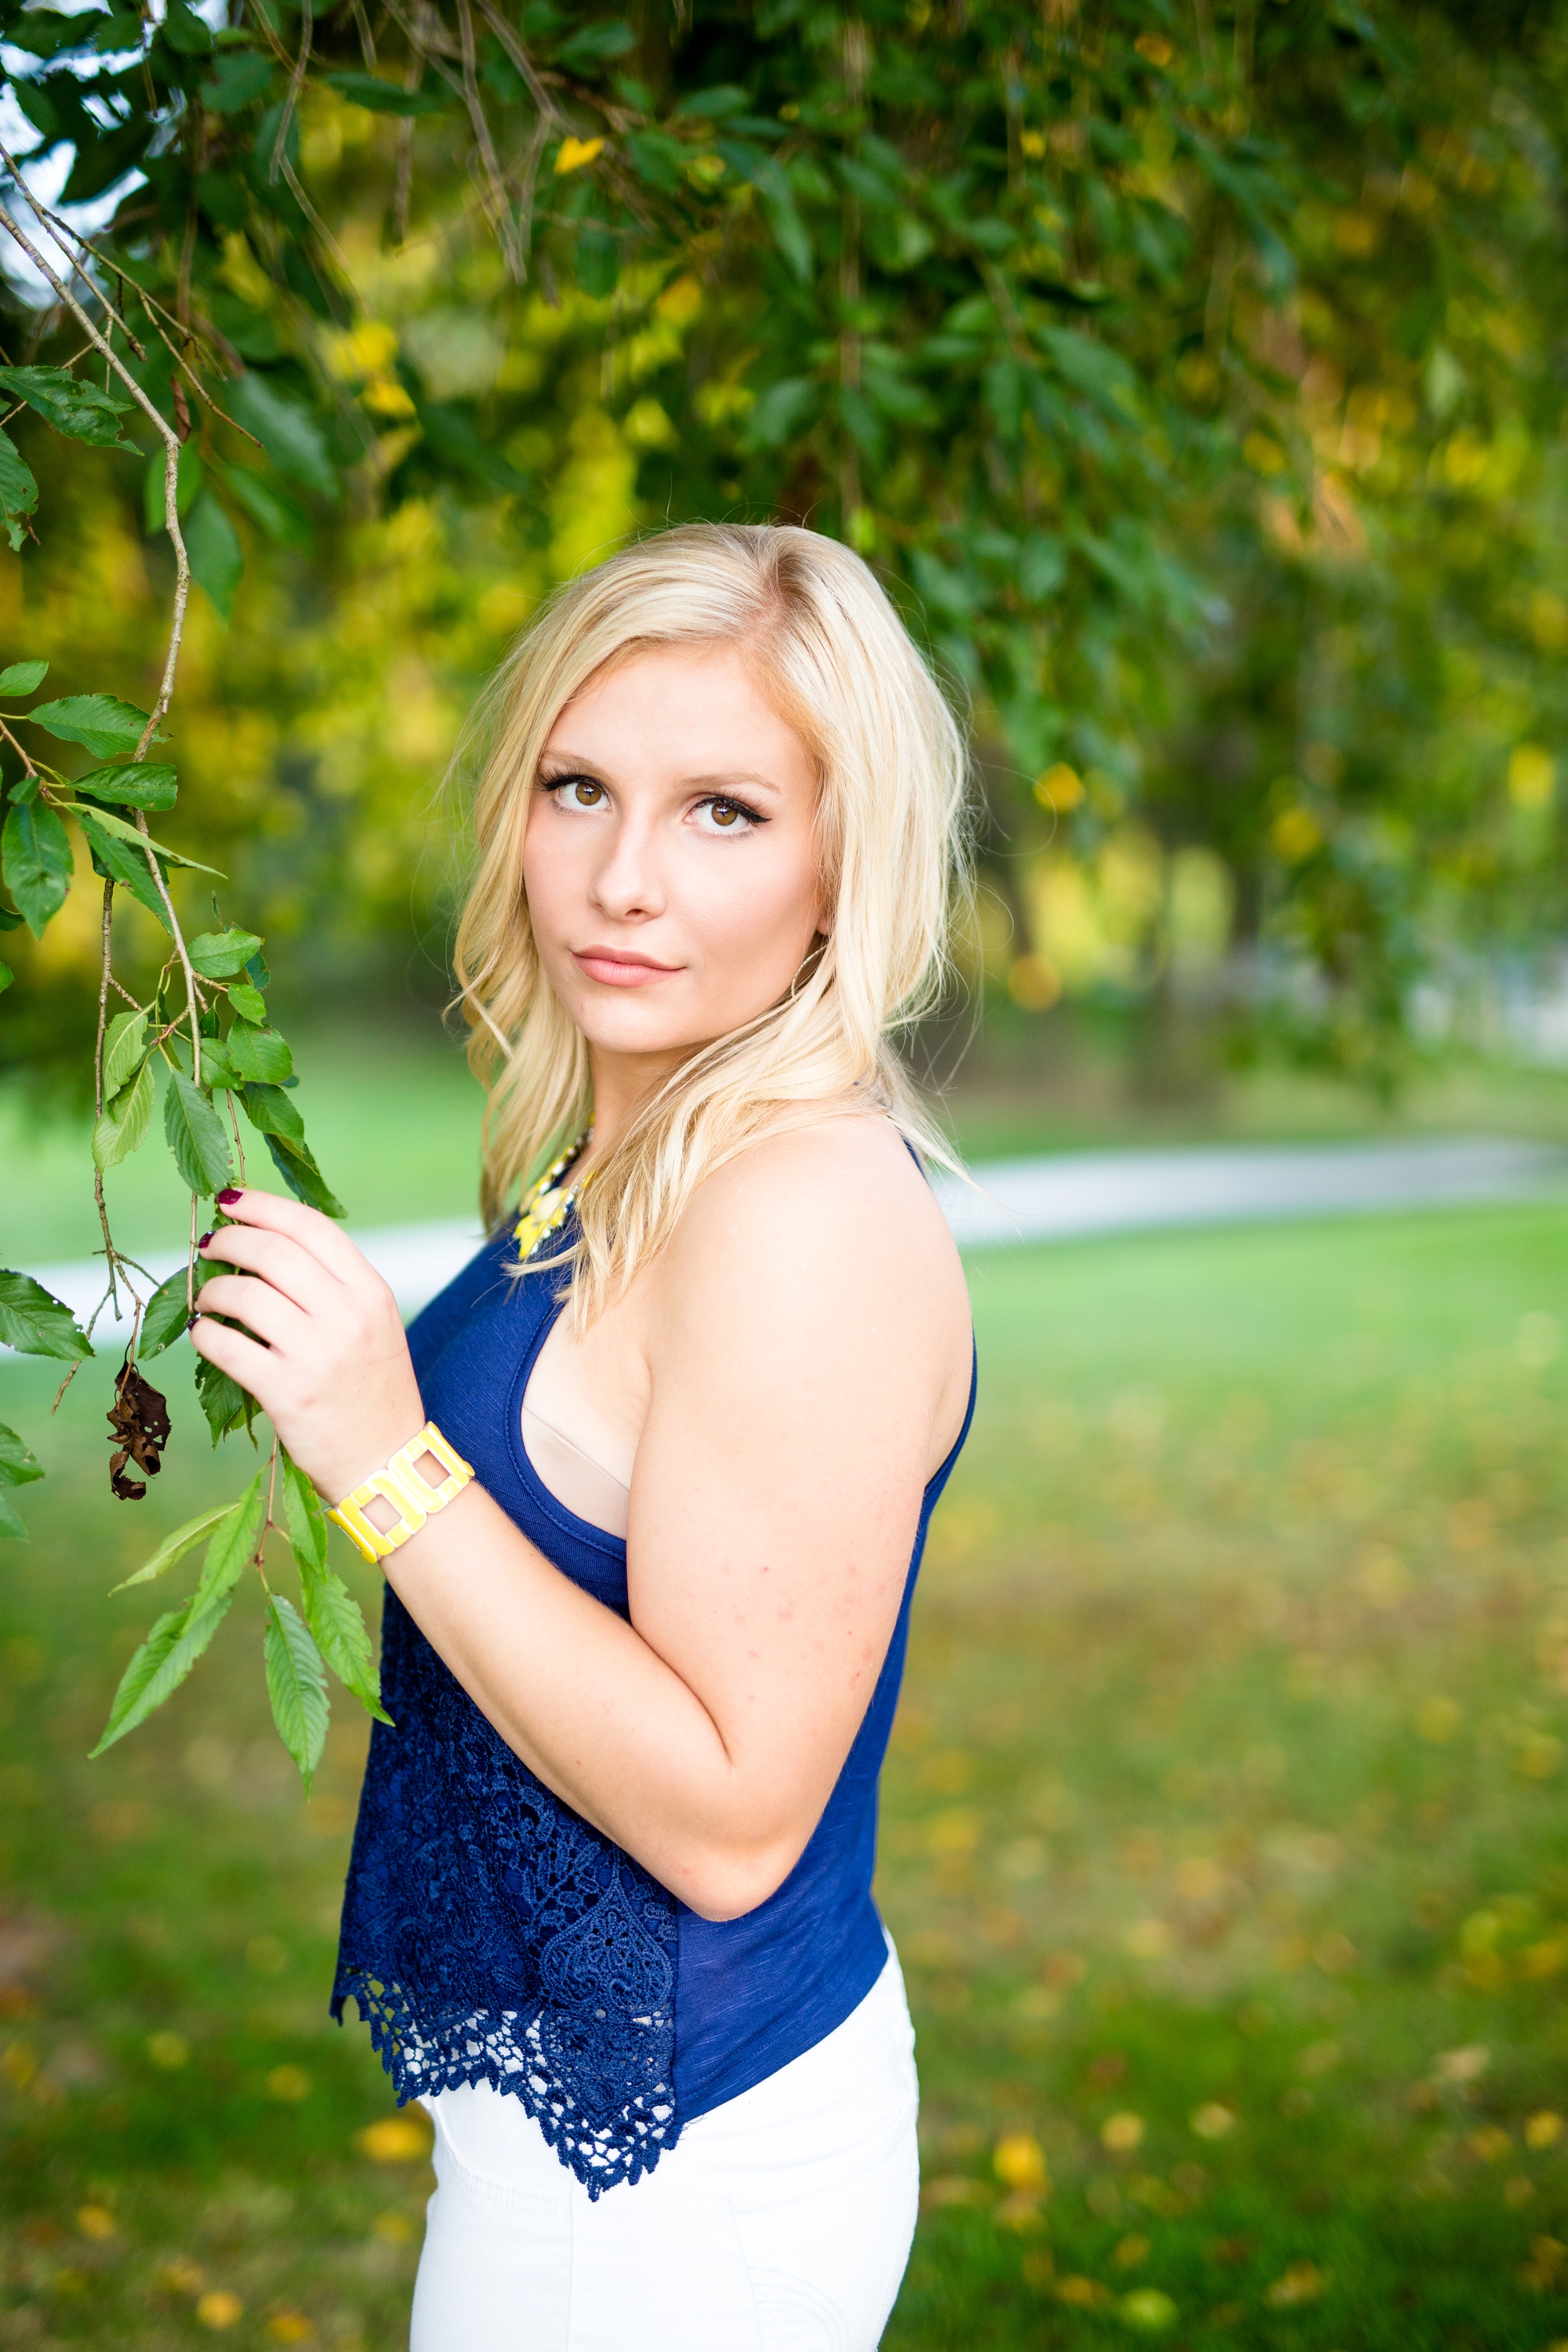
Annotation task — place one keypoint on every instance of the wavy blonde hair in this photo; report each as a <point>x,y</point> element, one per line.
<point>832,656</point>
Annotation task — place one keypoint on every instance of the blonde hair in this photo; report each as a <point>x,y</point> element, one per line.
<point>834,657</point>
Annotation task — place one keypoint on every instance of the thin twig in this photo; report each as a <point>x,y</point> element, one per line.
<point>104,977</point>
<point>403,180</point>
<point>499,207</point>
<point>182,577</point>
<point>296,84</point>
<point>366,37</point>
<point>16,746</point>
<point>548,110</point>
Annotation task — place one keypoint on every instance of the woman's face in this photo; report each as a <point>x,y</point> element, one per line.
<point>669,859</point>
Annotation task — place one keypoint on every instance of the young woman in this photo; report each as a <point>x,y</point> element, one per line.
<point>661,1462</point>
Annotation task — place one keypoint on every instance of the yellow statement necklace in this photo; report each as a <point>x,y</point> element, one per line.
<point>548,1204</point>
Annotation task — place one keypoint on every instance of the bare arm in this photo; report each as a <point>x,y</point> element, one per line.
<point>803,1338</point>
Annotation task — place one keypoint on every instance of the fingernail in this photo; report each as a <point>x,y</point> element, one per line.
<point>203,1240</point>
<point>228,1196</point>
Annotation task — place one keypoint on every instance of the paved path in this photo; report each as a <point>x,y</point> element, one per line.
<point>1066,1194</point>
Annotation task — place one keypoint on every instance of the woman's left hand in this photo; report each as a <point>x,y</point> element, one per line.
<point>329,1364</point>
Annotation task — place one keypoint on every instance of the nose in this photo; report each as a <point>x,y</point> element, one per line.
<point>627,885</point>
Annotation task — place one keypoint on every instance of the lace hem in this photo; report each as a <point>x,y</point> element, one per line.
<point>519,2053</point>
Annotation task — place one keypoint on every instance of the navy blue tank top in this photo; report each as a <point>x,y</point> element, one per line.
<point>489,1934</point>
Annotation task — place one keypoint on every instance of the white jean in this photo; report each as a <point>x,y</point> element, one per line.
<point>780,2221</point>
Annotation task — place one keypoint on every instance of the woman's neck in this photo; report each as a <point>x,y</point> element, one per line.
<point>622,1084</point>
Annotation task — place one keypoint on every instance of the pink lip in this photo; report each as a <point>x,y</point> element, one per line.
<point>615,969</point>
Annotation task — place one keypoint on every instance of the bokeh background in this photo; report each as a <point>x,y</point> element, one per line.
<point>1193,376</point>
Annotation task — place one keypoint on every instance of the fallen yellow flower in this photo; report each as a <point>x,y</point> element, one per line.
<point>1019,2161</point>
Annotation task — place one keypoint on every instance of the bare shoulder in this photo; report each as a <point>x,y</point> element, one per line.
<point>843,1187</point>
<point>824,1243</point>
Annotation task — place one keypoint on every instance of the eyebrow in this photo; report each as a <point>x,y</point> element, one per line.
<point>737,780</point>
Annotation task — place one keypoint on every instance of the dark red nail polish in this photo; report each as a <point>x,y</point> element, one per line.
<point>203,1240</point>
<point>228,1196</point>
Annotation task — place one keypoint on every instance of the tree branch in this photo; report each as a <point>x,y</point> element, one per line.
<point>170,439</point>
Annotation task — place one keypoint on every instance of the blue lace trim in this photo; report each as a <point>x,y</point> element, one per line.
<point>491,1935</point>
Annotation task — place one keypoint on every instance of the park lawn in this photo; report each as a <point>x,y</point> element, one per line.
<point>1223,1844</point>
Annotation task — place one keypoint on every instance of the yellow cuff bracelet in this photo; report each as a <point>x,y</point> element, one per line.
<point>408,1491</point>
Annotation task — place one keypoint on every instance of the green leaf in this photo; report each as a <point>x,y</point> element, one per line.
<point>218,954</point>
<point>297,1167</point>
<point>247,1002</point>
<point>36,1323</point>
<point>83,410</point>
<point>18,496</point>
<point>216,557</point>
<point>332,1612</point>
<point>296,1684</point>
<point>272,1112</point>
<point>12,1523</point>
<point>217,1070</point>
<point>340,1634</point>
<point>102,723</point>
<point>36,850</point>
<point>123,864</point>
<point>237,79</point>
<point>196,1137</point>
<point>18,1465</point>
<point>222,1400</point>
<point>185,31</point>
<point>140,840</point>
<point>124,1045</point>
<point>715,105</point>
<point>233,1544</point>
<point>122,1129</point>
<point>23,678</point>
<point>161,1665</point>
<point>174,1546</point>
<point>139,784</point>
<point>165,1315</point>
<point>380,96</point>
<point>658,160</point>
<point>307,1520</point>
<point>594,44</point>
<point>260,1055</point>
<point>598,263</point>
<point>265,504</point>
<point>286,430</point>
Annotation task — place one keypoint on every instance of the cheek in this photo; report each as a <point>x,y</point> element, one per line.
<point>747,905</point>
<point>548,875</point>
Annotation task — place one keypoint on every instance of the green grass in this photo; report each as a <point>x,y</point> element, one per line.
<point>394,1118</point>
<point>1229,1777</point>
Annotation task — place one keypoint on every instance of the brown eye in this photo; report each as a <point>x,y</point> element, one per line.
<point>586,793</point>
<point>724,812</point>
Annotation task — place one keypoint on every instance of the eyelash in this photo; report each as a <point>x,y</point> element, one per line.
<point>712,799</point>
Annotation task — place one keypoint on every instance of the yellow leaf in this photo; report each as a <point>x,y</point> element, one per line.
<point>574,152</point>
